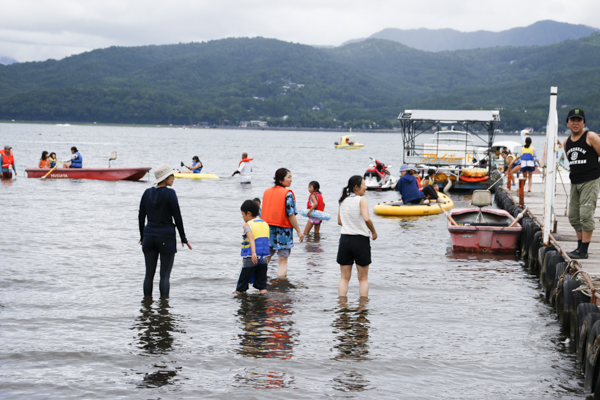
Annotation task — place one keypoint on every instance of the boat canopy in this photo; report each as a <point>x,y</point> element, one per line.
<point>451,116</point>
<point>480,124</point>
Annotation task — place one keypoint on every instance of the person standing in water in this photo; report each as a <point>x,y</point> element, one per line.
<point>279,211</point>
<point>160,205</point>
<point>315,202</point>
<point>7,160</point>
<point>582,148</point>
<point>355,247</point>
<point>244,169</point>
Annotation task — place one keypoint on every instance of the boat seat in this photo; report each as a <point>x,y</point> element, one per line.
<point>481,198</point>
<point>488,224</point>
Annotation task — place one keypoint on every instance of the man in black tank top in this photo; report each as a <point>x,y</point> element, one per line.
<point>582,149</point>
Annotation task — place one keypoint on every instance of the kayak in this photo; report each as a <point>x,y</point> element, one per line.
<point>398,208</point>
<point>317,214</point>
<point>195,176</point>
<point>103,174</point>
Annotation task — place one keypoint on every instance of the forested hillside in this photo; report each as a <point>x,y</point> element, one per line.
<point>364,84</point>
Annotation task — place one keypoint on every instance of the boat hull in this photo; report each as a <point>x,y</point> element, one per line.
<point>103,174</point>
<point>497,237</point>
<point>349,147</point>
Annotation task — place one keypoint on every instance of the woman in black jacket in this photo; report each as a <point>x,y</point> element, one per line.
<point>159,204</point>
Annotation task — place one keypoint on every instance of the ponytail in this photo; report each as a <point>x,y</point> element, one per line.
<point>527,142</point>
<point>354,181</point>
<point>316,186</point>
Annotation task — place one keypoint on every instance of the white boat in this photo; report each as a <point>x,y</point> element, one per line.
<point>453,147</point>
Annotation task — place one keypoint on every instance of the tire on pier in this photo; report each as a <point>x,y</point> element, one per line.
<point>552,260</point>
<point>540,261</point>
<point>525,240</point>
<point>567,301</point>
<point>557,287</point>
<point>592,352</point>
<point>534,247</point>
<point>578,298</point>
<point>587,315</point>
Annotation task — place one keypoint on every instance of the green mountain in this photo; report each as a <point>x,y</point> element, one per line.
<point>364,84</point>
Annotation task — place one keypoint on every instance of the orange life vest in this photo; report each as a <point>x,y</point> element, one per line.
<point>7,161</point>
<point>45,163</point>
<point>273,207</point>
<point>419,182</point>
<point>245,160</point>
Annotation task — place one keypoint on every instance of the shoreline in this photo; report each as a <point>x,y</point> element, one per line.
<point>230,127</point>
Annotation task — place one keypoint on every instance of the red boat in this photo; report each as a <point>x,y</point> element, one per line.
<point>483,229</point>
<point>103,174</point>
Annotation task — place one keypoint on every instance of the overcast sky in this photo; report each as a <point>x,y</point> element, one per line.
<point>33,30</point>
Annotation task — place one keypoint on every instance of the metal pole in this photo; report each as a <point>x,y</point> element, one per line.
<point>551,148</point>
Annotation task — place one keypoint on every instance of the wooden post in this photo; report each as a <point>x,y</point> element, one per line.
<point>521,192</point>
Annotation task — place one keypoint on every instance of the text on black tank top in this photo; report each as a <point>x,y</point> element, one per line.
<point>583,160</point>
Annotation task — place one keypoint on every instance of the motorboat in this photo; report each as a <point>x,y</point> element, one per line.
<point>346,143</point>
<point>378,177</point>
<point>455,147</point>
<point>103,174</point>
<point>481,229</point>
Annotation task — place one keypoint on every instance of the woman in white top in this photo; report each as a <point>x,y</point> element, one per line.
<point>353,216</point>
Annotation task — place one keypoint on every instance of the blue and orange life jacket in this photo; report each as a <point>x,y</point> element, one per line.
<point>261,232</point>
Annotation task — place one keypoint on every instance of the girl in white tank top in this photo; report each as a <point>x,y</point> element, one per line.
<point>354,247</point>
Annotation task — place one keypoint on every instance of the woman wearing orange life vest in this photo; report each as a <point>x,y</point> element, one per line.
<point>279,211</point>
<point>7,160</point>
<point>45,160</point>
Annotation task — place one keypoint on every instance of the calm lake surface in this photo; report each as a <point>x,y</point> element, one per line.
<point>73,323</point>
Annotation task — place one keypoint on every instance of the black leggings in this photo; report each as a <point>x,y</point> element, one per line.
<point>166,264</point>
<point>430,192</point>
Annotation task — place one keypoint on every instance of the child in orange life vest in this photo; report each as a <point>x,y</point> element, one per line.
<point>255,249</point>
<point>315,202</point>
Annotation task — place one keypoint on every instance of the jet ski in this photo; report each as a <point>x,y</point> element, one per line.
<point>378,177</point>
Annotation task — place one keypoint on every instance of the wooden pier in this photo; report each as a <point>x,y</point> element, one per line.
<point>564,234</point>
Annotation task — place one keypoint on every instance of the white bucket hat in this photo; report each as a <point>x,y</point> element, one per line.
<point>404,167</point>
<point>162,172</point>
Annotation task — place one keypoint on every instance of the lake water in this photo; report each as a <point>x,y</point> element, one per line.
<point>73,323</point>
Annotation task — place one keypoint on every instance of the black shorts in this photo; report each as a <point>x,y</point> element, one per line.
<point>354,249</point>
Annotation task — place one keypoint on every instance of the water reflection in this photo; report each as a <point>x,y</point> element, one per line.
<point>351,328</point>
<point>267,324</point>
<point>351,381</point>
<point>156,326</point>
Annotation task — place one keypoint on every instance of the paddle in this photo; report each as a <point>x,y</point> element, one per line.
<point>43,177</point>
<point>521,214</point>
<point>448,215</point>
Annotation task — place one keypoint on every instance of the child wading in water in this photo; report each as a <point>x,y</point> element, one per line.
<point>255,249</point>
<point>315,202</point>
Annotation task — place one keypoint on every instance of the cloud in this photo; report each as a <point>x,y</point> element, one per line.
<point>37,30</point>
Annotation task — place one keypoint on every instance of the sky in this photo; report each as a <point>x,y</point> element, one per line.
<point>36,30</point>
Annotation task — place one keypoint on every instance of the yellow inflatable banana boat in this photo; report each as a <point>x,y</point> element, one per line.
<point>398,208</point>
<point>187,175</point>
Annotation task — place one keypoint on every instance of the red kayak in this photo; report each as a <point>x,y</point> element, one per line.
<point>103,174</point>
<point>471,179</point>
